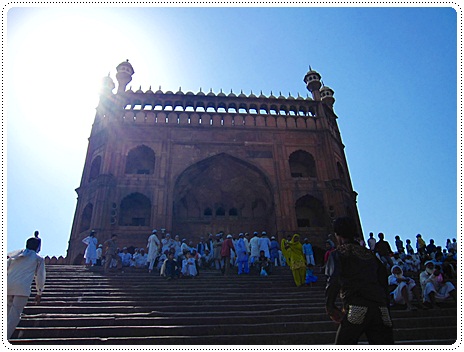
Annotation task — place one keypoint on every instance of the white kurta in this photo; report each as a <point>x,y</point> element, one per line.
<point>188,267</point>
<point>22,266</point>
<point>152,246</point>
<point>91,250</point>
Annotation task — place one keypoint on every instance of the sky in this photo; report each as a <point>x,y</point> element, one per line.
<point>393,70</point>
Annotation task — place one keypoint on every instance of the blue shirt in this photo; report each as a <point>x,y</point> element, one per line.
<point>308,249</point>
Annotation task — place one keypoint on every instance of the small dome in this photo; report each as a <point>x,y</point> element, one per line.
<point>290,96</point>
<point>281,96</point>
<point>130,91</point>
<point>211,94</point>
<point>252,95</point>
<point>262,95</point>
<point>159,91</point>
<point>189,93</point>
<point>179,92</point>
<point>169,92</point>
<point>272,96</point>
<point>139,90</point>
<point>241,95</point>
<point>299,97</point>
<point>125,67</point>
<point>231,94</point>
<point>326,91</point>
<point>221,94</point>
<point>200,93</point>
<point>149,91</point>
<point>312,76</point>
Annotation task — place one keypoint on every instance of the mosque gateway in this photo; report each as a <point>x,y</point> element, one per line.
<point>199,163</point>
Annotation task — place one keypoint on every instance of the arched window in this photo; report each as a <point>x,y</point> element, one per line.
<point>86,218</point>
<point>233,212</point>
<point>341,172</point>
<point>140,160</point>
<point>302,164</point>
<point>135,210</point>
<point>220,211</point>
<point>95,168</point>
<point>208,212</point>
<point>309,212</point>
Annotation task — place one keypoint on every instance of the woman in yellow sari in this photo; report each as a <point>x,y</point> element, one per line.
<point>293,252</point>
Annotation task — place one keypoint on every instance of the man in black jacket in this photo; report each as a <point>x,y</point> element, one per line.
<point>361,279</point>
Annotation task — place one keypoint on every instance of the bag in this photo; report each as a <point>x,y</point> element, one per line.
<point>263,272</point>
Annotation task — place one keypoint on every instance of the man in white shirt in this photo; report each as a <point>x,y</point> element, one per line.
<point>22,267</point>
<point>153,247</point>
<point>264,244</point>
<point>254,248</point>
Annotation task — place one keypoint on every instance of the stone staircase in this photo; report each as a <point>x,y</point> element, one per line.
<point>84,306</point>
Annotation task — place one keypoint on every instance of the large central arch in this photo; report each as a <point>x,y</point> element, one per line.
<point>223,193</point>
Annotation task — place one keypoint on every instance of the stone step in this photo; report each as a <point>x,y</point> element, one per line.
<point>206,319</point>
<point>85,306</point>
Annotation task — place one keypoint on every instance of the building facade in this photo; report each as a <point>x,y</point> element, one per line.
<point>193,164</point>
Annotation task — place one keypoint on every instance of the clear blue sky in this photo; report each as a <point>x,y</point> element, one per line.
<point>393,70</point>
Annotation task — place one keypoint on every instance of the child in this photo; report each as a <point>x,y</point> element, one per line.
<point>170,269</point>
<point>310,277</point>
<point>188,266</point>
<point>264,264</point>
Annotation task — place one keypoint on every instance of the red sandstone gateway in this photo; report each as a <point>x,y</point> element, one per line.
<point>202,163</point>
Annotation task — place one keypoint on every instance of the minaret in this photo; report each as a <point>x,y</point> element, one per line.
<point>313,83</point>
<point>124,75</point>
<point>327,95</point>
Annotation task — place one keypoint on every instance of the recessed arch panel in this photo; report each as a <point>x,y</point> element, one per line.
<point>223,193</point>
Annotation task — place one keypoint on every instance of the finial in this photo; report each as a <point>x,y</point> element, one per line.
<point>200,89</point>
<point>221,90</point>
<point>127,60</point>
<point>322,82</point>
<point>159,87</point>
<point>211,90</point>
<point>310,68</point>
<point>149,88</point>
<point>108,74</point>
<point>231,90</point>
<point>180,89</point>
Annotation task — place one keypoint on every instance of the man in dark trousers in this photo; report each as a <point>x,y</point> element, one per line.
<point>362,281</point>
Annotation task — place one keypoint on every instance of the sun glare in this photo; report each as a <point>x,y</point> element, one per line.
<point>58,63</point>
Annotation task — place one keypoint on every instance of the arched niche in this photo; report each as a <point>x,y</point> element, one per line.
<point>205,192</point>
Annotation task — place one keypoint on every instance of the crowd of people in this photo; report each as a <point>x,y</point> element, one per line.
<point>174,258</point>
<point>352,267</point>
<point>435,268</point>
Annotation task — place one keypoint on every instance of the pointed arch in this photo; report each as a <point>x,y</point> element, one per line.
<point>95,168</point>
<point>140,160</point>
<point>86,218</point>
<point>232,193</point>
<point>302,164</point>
<point>135,210</point>
<point>310,212</point>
